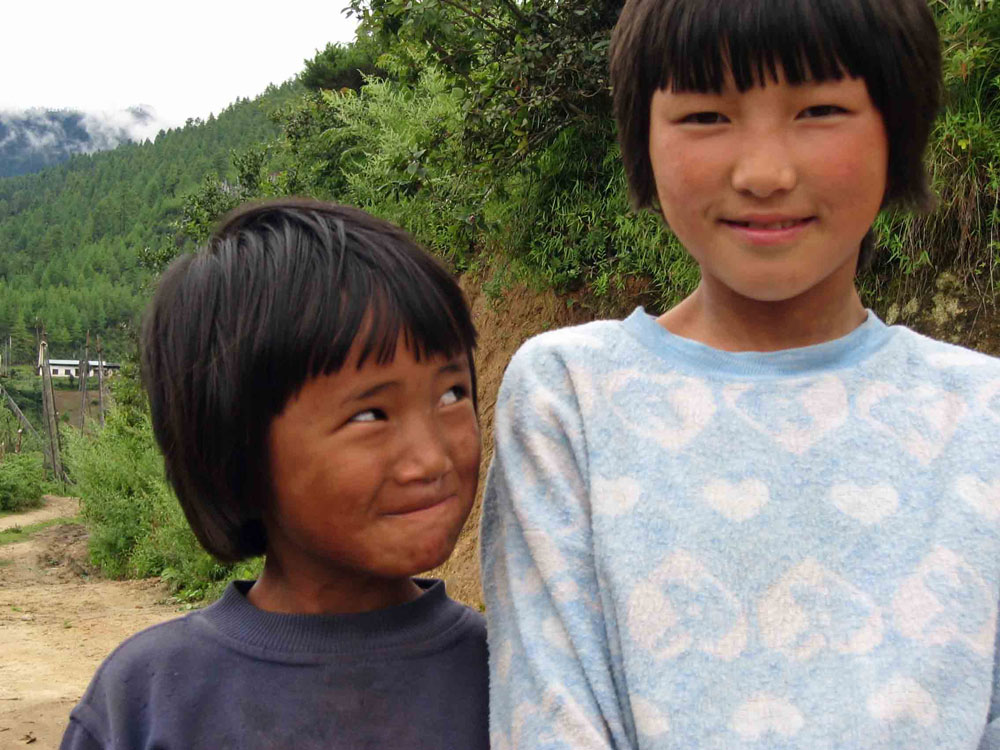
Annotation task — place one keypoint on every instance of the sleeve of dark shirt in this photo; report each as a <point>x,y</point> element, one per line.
<point>78,738</point>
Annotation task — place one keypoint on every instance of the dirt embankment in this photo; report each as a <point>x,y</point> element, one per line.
<point>57,623</point>
<point>503,327</point>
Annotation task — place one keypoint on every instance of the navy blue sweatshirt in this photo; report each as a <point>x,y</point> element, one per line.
<point>232,676</point>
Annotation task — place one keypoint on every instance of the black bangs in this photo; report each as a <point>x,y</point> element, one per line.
<point>334,285</point>
<point>756,40</point>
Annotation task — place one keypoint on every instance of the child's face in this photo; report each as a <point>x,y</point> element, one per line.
<point>374,469</point>
<point>771,190</point>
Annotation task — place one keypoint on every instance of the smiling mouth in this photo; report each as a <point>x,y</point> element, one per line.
<point>422,506</point>
<point>769,226</point>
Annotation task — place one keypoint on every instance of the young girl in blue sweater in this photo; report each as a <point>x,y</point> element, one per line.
<point>764,519</point>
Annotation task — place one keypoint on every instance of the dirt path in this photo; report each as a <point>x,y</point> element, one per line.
<point>55,507</point>
<point>57,623</point>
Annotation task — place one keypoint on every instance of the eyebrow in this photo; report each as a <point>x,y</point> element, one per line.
<point>455,366</point>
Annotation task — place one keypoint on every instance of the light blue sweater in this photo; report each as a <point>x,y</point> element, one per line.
<point>688,548</point>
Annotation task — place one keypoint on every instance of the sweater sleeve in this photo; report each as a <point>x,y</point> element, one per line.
<point>78,738</point>
<point>551,674</point>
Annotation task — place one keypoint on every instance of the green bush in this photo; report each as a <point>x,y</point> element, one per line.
<point>22,481</point>
<point>137,528</point>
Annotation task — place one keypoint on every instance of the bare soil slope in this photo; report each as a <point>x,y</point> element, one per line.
<point>57,624</point>
<point>521,314</point>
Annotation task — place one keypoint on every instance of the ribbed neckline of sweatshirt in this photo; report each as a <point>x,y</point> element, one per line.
<point>414,627</point>
<point>686,354</point>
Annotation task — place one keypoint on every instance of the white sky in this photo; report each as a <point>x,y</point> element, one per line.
<point>182,58</point>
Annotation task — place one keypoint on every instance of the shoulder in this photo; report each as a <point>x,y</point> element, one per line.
<point>590,347</point>
<point>954,363</point>
<point>138,660</point>
<point>154,644</point>
<point>120,688</point>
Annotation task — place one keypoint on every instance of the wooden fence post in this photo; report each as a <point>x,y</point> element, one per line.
<point>84,370</point>
<point>49,406</point>
<point>100,381</point>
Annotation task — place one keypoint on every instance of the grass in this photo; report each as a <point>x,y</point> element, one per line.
<point>24,533</point>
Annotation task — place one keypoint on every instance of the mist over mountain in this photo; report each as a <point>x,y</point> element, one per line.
<point>33,139</point>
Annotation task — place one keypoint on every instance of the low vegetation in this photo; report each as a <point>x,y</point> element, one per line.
<point>137,527</point>
<point>22,481</point>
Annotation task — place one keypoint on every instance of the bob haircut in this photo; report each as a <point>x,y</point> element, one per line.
<point>281,293</point>
<point>690,45</point>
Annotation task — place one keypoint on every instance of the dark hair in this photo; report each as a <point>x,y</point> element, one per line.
<point>690,45</point>
<point>280,295</point>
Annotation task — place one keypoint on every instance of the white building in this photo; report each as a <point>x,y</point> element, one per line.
<point>66,368</point>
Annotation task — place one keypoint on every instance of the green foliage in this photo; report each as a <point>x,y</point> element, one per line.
<point>529,69</point>
<point>137,528</point>
<point>22,481</point>
<point>341,67</point>
<point>963,232</point>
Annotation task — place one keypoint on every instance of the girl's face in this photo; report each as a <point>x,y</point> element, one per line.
<point>770,190</point>
<point>374,469</point>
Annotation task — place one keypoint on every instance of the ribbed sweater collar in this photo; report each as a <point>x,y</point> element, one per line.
<point>839,353</point>
<point>420,624</point>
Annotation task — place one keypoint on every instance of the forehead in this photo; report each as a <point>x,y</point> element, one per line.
<point>694,45</point>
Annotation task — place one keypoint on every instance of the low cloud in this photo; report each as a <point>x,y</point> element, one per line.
<point>36,138</point>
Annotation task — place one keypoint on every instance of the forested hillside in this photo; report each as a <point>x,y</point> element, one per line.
<point>75,239</point>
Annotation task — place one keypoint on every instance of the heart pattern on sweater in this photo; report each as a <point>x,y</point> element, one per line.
<point>765,714</point>
<point>867,505</point>
<point>922,419</point>
<point>680,607</point>
<point>983,497</point>
<point>903,698</point>
<point>946,601</point>
<point>796,415</point>
<point>670,410</point>
<point>811,609</point>
<point>737,501</point>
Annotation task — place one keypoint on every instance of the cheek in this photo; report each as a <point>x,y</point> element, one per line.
<point>855,167</point>
<point>683,172</point>
<point>466,450</point>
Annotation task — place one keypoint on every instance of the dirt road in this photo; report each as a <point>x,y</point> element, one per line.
<point>57,623</point>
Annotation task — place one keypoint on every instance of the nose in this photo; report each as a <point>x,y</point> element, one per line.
<point>424,454</point>
<point>764,166</point>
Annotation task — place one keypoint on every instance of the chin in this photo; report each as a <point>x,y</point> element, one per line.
<point>767,288</point>
<point>428,556</point>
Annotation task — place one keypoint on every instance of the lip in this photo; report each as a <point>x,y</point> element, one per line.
<point>420,506</point>
<point>759,235</point>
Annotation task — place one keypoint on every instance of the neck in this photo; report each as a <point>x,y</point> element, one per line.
<point>717,316</point>
<point>325,591</point>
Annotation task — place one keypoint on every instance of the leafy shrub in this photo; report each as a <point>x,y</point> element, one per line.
<point>137,528</point>
<point>22,481</point>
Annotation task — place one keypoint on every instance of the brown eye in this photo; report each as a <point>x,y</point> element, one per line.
<point>822,110</point>
<point>368,415</point>
<point>704,118</point>
<point>453,395</point>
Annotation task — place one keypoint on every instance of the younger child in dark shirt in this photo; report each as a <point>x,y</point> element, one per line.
<point>312,389</point>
